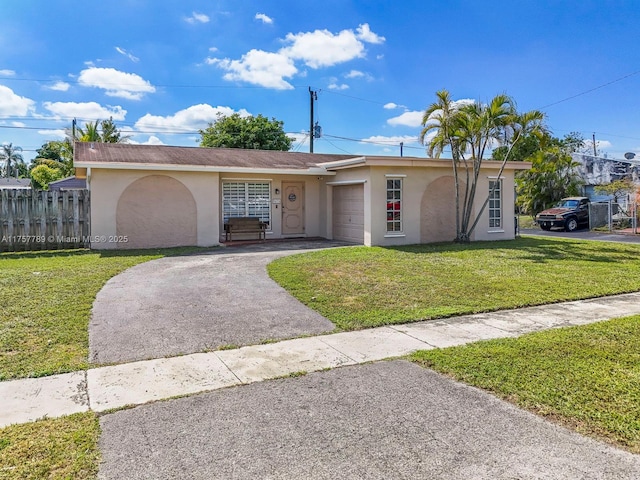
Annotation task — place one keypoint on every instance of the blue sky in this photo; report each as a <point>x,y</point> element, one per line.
<point>163,69</point>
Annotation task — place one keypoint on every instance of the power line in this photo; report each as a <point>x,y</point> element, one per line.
<point>590,90</point>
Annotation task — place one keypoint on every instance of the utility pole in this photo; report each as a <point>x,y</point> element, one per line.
<point>313,96</point>
<point>595,152</point>
<point>401,147</point>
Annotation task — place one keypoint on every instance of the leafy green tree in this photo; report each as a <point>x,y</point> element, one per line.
<point>553,176</point>
<point>42,175</point>
<point>470,130</point>
<point>257,133</point>
<point>56,154</point>
<point>617,189</point>
<point>12,159</point>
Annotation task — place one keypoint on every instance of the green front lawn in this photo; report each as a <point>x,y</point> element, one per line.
<point>61,448</point>
<point>46,299</point>
<point>358,287</point>
<point>586,378</point>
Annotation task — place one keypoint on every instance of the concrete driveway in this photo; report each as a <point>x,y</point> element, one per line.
<point>386,420</point>
<point>179,305</point>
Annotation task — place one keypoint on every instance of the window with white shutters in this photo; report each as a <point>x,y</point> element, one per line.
<point>246,199</point>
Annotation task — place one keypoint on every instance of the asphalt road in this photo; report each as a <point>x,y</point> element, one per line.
<point>387,420</point>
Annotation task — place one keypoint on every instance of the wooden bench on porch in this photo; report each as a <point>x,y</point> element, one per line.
<point>242,225</point>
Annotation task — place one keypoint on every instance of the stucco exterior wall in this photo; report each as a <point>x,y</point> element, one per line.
<point>428,204</point>
<point>107,187</point>
<point>507,232</point>
<point>156,211</point>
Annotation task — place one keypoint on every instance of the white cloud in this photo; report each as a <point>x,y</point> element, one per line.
<point>390,106</point>
<point>116,83</point>
<point>59,86</point>
<point>408,119</point>
<point>336,86</point>
<point>259,68</point>
<point>321,48</point>
<point>90,110</point>
<point>213,49</point>
<point>19,124</point>
<point>197,18</point>
<point>195,117</point>
<point>58,133</point>
<point>264,18</point>
<point>354,74</point>
<point>152,140</point>
<point>7,73</point>
<point>391,140</point>
<point>130,56</point>
<point>366,35</point>
<point>12,105</point>
<point>588,144</point>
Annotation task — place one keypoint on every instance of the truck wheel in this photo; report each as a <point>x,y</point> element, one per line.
<point>545,227</point>
<point>571,224</point>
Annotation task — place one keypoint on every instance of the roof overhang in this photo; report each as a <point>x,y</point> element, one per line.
<point>313,171</point>
<point>380,161</point>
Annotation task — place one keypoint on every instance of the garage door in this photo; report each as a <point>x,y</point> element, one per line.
<point>348,213</point>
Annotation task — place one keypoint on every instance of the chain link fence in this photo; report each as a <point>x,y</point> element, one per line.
<point>615,217</point>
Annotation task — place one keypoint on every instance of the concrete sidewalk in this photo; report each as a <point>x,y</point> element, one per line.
<point>104,388</point>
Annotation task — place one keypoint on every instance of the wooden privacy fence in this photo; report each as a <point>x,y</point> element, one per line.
<point>39,220</point>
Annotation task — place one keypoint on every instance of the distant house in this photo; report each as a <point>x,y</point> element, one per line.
<point>603,170</point>
<point>15,183</point>
<point>145,196</point>
<point>69,183</point>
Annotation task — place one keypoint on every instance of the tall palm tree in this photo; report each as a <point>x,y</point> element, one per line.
<point>442,118</point>
<point>11,155</point>
<point>470,129</point>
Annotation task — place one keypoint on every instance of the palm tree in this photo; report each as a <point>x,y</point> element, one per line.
<point>470,129</point>
<point>442,117</point>
<point>10,154</point>
<point>105,131</point>
<point>90,133</point>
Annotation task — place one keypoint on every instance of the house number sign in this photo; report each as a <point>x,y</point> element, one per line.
<point>292,197</point>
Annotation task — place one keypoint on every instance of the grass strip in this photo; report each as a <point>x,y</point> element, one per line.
<point>62,448</point>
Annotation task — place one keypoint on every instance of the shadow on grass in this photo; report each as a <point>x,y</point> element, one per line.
<point>538,250</point>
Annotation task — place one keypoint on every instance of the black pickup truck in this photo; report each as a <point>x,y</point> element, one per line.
<point>569,213</point>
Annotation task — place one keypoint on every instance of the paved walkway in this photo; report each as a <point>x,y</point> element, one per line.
<point>110,387</point>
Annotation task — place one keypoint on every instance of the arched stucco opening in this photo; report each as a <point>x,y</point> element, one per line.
<point>438,211</point>
<point>157,211</point>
